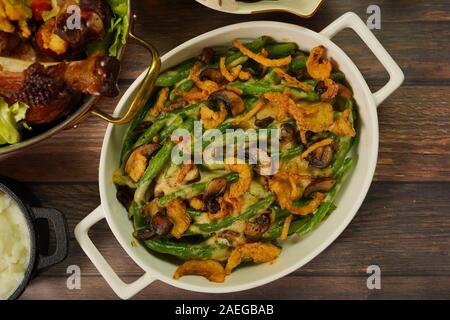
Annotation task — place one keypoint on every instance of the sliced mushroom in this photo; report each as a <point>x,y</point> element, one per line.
<point>137,161</point>
<point>321,157</point>
<point>287,132</point>
<point>319,185</point>
<point>264,123</point>
<point>230,99</point>
<point>233,237</point>
<point>206,55</point>
<point>214,190</point>
<point>145,234</point>
<point>125,195</point>
<point>212,74</point>
<point>161,224</point>
<point>141,127</point>
<point>255,228</point>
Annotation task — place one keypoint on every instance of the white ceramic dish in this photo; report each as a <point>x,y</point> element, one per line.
<point>301,8</point>
<point>296,252</point>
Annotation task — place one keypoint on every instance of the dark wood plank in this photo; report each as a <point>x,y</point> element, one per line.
<point>402,230</point>
<point>414,143</point>
<point>290,287</point>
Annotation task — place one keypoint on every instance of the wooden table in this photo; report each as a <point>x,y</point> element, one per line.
<point>403,225</point>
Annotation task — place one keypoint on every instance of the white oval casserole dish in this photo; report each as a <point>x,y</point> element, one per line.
<point>296,251</point>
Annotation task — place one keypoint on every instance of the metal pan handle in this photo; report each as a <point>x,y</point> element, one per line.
<point>146,88</point>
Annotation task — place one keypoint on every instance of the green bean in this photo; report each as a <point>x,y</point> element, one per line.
<point>281,49</point>
<point>184,85</point>
<point>194,189</point>
<point>130,135</point>
<point>156,164</point>
<point>292,152</point>
<point>135,212</point>
<point>338,76</point>
<point>176,74</point>
<point>250,212</point>
<point>189,251</point>
<point>345,143</point>
<point>298,64</point>
<point>153,130</point>
<point>169,128</point>
<point>256,45</point>
<point>271,78</point>
<point>258,89</point>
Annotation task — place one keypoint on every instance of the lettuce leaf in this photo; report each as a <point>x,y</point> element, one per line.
<point>118,30</point>
<point>11,120</point>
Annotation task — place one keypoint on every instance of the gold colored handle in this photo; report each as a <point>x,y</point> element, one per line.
<point>145,89</point>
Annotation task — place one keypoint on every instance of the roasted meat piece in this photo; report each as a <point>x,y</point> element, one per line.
<point>53,91</point>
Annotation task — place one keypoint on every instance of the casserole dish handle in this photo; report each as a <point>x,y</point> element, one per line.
<point>122,289</point>
<point>145,89</point>
<point>352,21</point>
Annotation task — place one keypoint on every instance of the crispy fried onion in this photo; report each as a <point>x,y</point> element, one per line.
<point>315,146</point>
<point>227,206</point>
<point>318,67</point>
<point>192,95</point>
<point>342,126</point>
<point>331,91</point>
<point>258,252</point>
<point>159,104</point>
<point>210,118</point>
<point>246,117</point>
<point>293,80</point>
<point>208,85</point>
<point>283,103</point>
<point>210,269</point>
<point>315,117</point>
<point>308,208</point>
<point>224,71</point>
<point>176,211</point>
<point>287,186</point>
<point>185,168</point>
<point>286,225</point>
<point>245,177</point>
<point>197,203</point>
<point>260,58</point>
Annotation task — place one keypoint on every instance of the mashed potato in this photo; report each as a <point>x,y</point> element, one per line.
<point>14,246</point>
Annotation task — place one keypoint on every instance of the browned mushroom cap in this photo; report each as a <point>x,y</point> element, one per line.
<point>206,55</point>
<point>255,228</point>
<point>287,132</point>
<point>263,123</point>
<point>214,190</point>
<point>161,224</point>
<point>233,237</point>
<point>125,195</point>
<point>137,161</point>
<point>212,74</point>
<point>321,157</point>
<point>319,185</point>
<point>230,99</point>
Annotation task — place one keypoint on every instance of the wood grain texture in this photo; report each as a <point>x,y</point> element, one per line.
<point>289,288</point>
<point>403,224</point>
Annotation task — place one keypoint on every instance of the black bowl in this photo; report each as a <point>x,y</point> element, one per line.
<point>39,232</point>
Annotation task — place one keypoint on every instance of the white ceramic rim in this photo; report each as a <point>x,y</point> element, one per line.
<point>370,101</point>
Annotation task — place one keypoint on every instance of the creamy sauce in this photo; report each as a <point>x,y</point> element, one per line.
<point>14,246</point>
